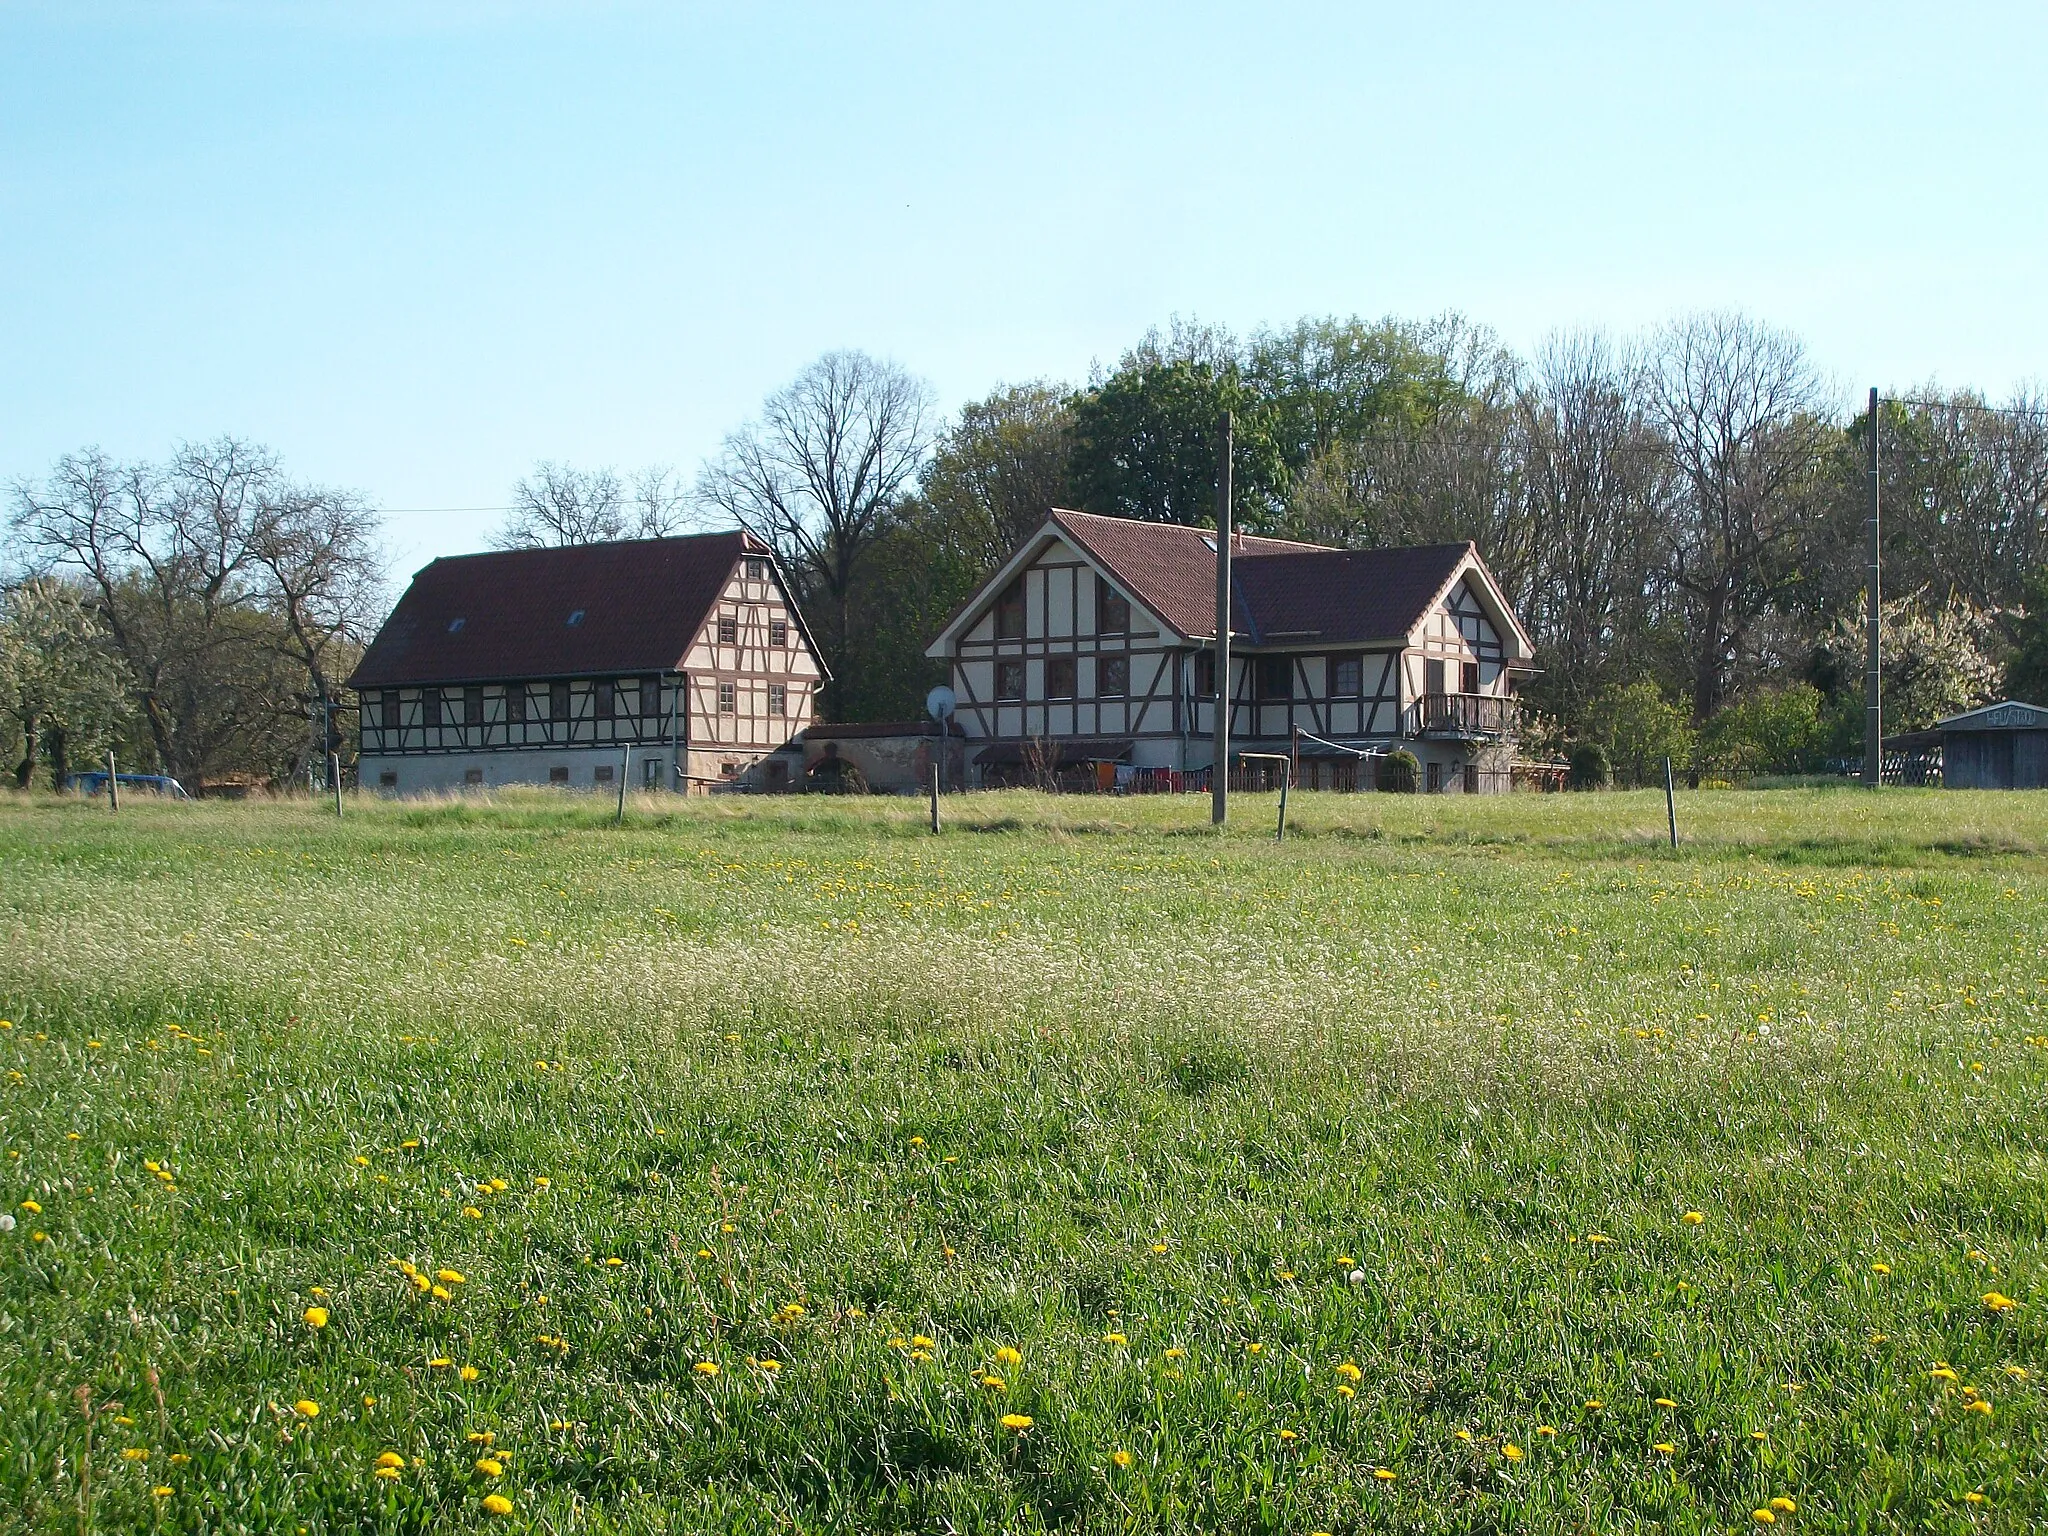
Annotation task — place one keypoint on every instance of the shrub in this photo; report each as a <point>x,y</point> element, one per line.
<point>1639,729</point>
<point>1398,773</point>
<point>1589,768</point>
<point>1771,730</point>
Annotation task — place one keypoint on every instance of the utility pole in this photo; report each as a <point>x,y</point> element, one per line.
<point>1219,772</point>
<point>1873,704</point>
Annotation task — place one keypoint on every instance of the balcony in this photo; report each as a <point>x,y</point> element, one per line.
<point>1464,717</point>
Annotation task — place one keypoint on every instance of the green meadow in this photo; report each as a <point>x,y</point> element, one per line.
<point>1474,1166</point>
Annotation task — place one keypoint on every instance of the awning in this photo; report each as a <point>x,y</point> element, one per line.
<point>1064,754</point>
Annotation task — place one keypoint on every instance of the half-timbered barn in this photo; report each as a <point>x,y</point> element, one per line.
<point>544,666</point>
<point>1096,644</point>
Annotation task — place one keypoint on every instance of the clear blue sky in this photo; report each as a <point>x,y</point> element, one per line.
<point>415,247</point>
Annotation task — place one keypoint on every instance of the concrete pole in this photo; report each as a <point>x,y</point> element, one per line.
<point>1219,773</point>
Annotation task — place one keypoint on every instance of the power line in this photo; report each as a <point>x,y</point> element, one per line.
<point>2018,412</point>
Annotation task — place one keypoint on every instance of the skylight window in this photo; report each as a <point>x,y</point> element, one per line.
<point>576,618</point>
<point>1206,539</point>
<point>455,626</point>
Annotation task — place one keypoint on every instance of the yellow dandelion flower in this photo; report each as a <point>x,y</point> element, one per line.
<point>1998,1301</point>
<point>1120,1458</point>
<point>162,1490</point>
<point>1017,1421</point>
<point>1880,1269</point>
<point>1595,1404</point>
<point>32,1207</point>
<point>1114,1338</point>
<point>441,1293</point>
<point>1159,1247</point>
<point>135,1453</point>
<point>1973,1497</point>
<point>439,1363</point>
<point>1980,1405</point>
<point>1665,1448</point>
<point>1463,1434</point>
<point>1384,1474</point>
<point>497,1504</point>
<point>1943,1373</point>
<point>1757,1434</point>
<point>1692,1218</point>
<point>541,1181</point>
<point>489,1466</point>
<point>1511,1451</point>
<point>1009,1355</point>
<point>387,1473</point>
<point>316,1317</point>
<point>1349,1371</point>
<point>1546,1431</point>
<point>2016,1372</point>
<point>306,1408</point>
<point>469,1373</point>
<point>1288,1434</point>
<point>706,1367</point>
<point>180,1459</point>
<point>1784,1506</point>
<point>450,1277</point>
<point>390,1459</point>
<point>995,1384</point>
<point>1176,1353</point>
<point>1346,1390</point>
<point>472,1213</point>
<point>1763,1517</point>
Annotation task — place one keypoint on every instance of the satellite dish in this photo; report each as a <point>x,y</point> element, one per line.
<point>939,703</point>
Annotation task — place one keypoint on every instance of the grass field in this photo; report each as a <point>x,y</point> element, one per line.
<point>1458,1166</point>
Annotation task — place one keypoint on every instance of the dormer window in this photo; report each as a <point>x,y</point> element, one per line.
<point>757,568</point>
<point>576,618</point>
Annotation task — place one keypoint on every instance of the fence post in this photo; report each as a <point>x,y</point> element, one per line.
<point>334,773</point>
<point>113,785</point>
<point>935,795</point>
<point>1670,804</point>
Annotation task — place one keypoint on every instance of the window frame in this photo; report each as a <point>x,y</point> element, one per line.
<point>515,703</point>
<point>1205,674</point>
<point>473,704</point>
<point>1434,679</point>
<point>728,629</point>
<point>561,704</point>
<point>1069,670</point>
<point>1262,678</point>
<point>390,711</point>
<point>778,700</point>
<point>1468,677</point>
<point>604,699</point>
<point>1335,665</point>
<point>1006,670</point>
<point>1112,610</point>
<point>430,709</point>
<point>1012,611</point>
<point>778,634</point>
<point>1119,665</point>
<point>728,698</point>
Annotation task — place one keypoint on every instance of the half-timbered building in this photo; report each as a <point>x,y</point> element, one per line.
<point>545,666</point>
<point>1096,643</point>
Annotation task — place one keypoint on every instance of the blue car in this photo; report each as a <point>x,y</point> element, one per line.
<point>93,784</point>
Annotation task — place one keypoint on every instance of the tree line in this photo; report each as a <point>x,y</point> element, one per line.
<point>1677,517</point>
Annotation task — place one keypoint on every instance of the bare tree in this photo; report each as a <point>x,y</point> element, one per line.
<point>60,680</point>
<point>323,574</point>
<point>198,571</point>
<point>1596,481</point>
<point>818,474</point>
<point>1741,409</point>
<point>559,504</point>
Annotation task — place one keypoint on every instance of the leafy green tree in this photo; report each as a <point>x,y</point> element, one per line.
<point>1639,728</point>
<point>1146,446</point>
<point>1935,662</point>
<point>1767,730</point>
<point>994,476</point>
<point>1329,381</point>
<point>2026,670</point>
<point>61,684</point>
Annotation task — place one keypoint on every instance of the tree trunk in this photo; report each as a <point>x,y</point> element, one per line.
<point>60,757</point>
<point>29,746</point>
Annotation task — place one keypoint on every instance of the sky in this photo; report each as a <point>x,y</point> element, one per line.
<point>417,247</point>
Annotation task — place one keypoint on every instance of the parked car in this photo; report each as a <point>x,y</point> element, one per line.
<point>94,784</point>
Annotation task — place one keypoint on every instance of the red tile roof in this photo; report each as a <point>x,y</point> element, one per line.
<point>1168,568</point>
<point>1282,592</point>
<point>471,618</point>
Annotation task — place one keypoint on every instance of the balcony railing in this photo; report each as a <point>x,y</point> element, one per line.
<point>1466,716</point>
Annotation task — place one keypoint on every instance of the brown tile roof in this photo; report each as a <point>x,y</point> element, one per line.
<point>1340,596</point>
<point>1283,592</point>
<point>642,601</point>
<point>1168,568</point>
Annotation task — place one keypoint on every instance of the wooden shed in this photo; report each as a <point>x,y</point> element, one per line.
<point>2001,746</point>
